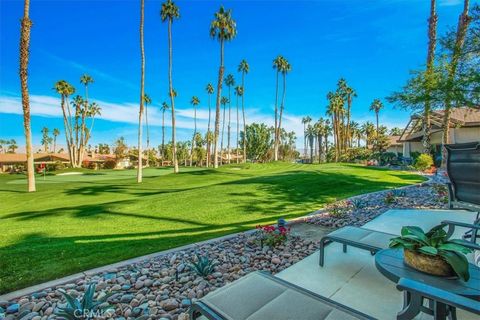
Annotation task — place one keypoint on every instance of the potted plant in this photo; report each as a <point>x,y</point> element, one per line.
<point>433,252</point>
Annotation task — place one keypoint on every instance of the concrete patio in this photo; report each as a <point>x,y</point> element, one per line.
<point>352,279</point>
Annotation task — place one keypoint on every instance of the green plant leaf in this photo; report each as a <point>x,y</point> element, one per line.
<point>71,301</point>
<point>436,229</point>
<point>458,262</point>
<point>415,232</point>
<point>415,239</point>
<point>428,250</point>
<point>401,243</point>
<point>452,246</point>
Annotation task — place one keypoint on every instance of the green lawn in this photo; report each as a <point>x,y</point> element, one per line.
<point>77,222</point>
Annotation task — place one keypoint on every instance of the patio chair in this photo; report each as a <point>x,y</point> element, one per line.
<point>463,168</point>
<point>362,238</point>
<point>444,302</point>
<point>260,296</point>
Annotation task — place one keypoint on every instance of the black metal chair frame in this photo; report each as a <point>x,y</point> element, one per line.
<point>346,242</point>
<point>453,201</point>
<point>200,308</point>
<point>443,303</point>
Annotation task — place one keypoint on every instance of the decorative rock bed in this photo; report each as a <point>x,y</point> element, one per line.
<point>359,210</point>
<point>165,286</point>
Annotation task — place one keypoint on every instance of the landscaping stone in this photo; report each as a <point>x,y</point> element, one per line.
<point>149,289</point>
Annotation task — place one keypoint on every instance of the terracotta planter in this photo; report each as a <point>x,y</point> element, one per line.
<point>435,265</point>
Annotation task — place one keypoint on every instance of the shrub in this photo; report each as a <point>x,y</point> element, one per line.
<point>390,198</point>
<point>86,308</point>
<point>203,266</point>
<point>358,203</point>
<point>272,236</point>
<point>423,162</point>
<point>110,164</point>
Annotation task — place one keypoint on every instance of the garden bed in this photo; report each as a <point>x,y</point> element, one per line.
<point>165,286</point>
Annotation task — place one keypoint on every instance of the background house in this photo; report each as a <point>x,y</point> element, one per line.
<point>464,127</point>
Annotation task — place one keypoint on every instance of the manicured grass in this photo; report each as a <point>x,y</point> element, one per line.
<point>77,222</point>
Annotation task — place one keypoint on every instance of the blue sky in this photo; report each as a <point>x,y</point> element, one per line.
<point>373,44</point>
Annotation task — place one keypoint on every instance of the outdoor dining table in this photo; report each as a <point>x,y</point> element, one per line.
<point>390,263</point>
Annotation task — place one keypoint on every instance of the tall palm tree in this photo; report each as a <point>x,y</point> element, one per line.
<point>462,27</point>
<point>305,120</point>
<point>311,134</point>
<point>147,100</point>
<point>244,68</point>
<point>210,91</point>
<point>55,133</point>
<point>223,28</point>
<point>432,42</point>
<point>238,93</point>
<point>45,139</point>
<point>327,132</point>
<point>195,101</point>
<point>367,129</point>
<point>224,102</point>
<point>354,127</point>
<point>164,108</point>
<point>336,110</point>
<point>169,12</point>
<point>376,106</point>
<point>85,79</point>
<point>320,132</point>
<point>277,65</point>
<point>142,94</point>
<point>348,93</point>
<point>285,68</point>
<point>229,81</point>
<point>26,24</point>
<point>65,89</point>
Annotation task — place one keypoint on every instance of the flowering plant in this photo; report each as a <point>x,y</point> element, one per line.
<point>272,236</point>
<point>390,198</point>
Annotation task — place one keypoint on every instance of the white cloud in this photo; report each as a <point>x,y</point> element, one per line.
<point>48,106</point>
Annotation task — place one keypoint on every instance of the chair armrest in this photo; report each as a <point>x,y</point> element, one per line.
<point>461,224</point>
<point>439,295</point>
<point>451,194</point>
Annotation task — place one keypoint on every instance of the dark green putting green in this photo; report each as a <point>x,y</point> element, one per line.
<point>77,222</point>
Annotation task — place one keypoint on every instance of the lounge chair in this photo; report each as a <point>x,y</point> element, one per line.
<point>463,168</point>
<point>444,302</point>
<point>362,238</point>
<point>261,296</point>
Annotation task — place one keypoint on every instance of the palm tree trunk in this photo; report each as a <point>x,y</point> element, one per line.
<point>462,28</point>
<point>142,93</point>
<point>223,133</point>
<point>217,107</point>
<point>238,131</point>
<point>172,100</point>
<point>432,35</point>
<point>148,135</point>
<point>326,147</point>
<point>229,123</point>
<point>282,106</point>
<point>376,136</point>
<point>163,136</point>
<point>349,103</point>
<point>194,133</point>
<point>244,122</point>
<point>26,24</point>
<point>208,131</point>
<point>275,146</point>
